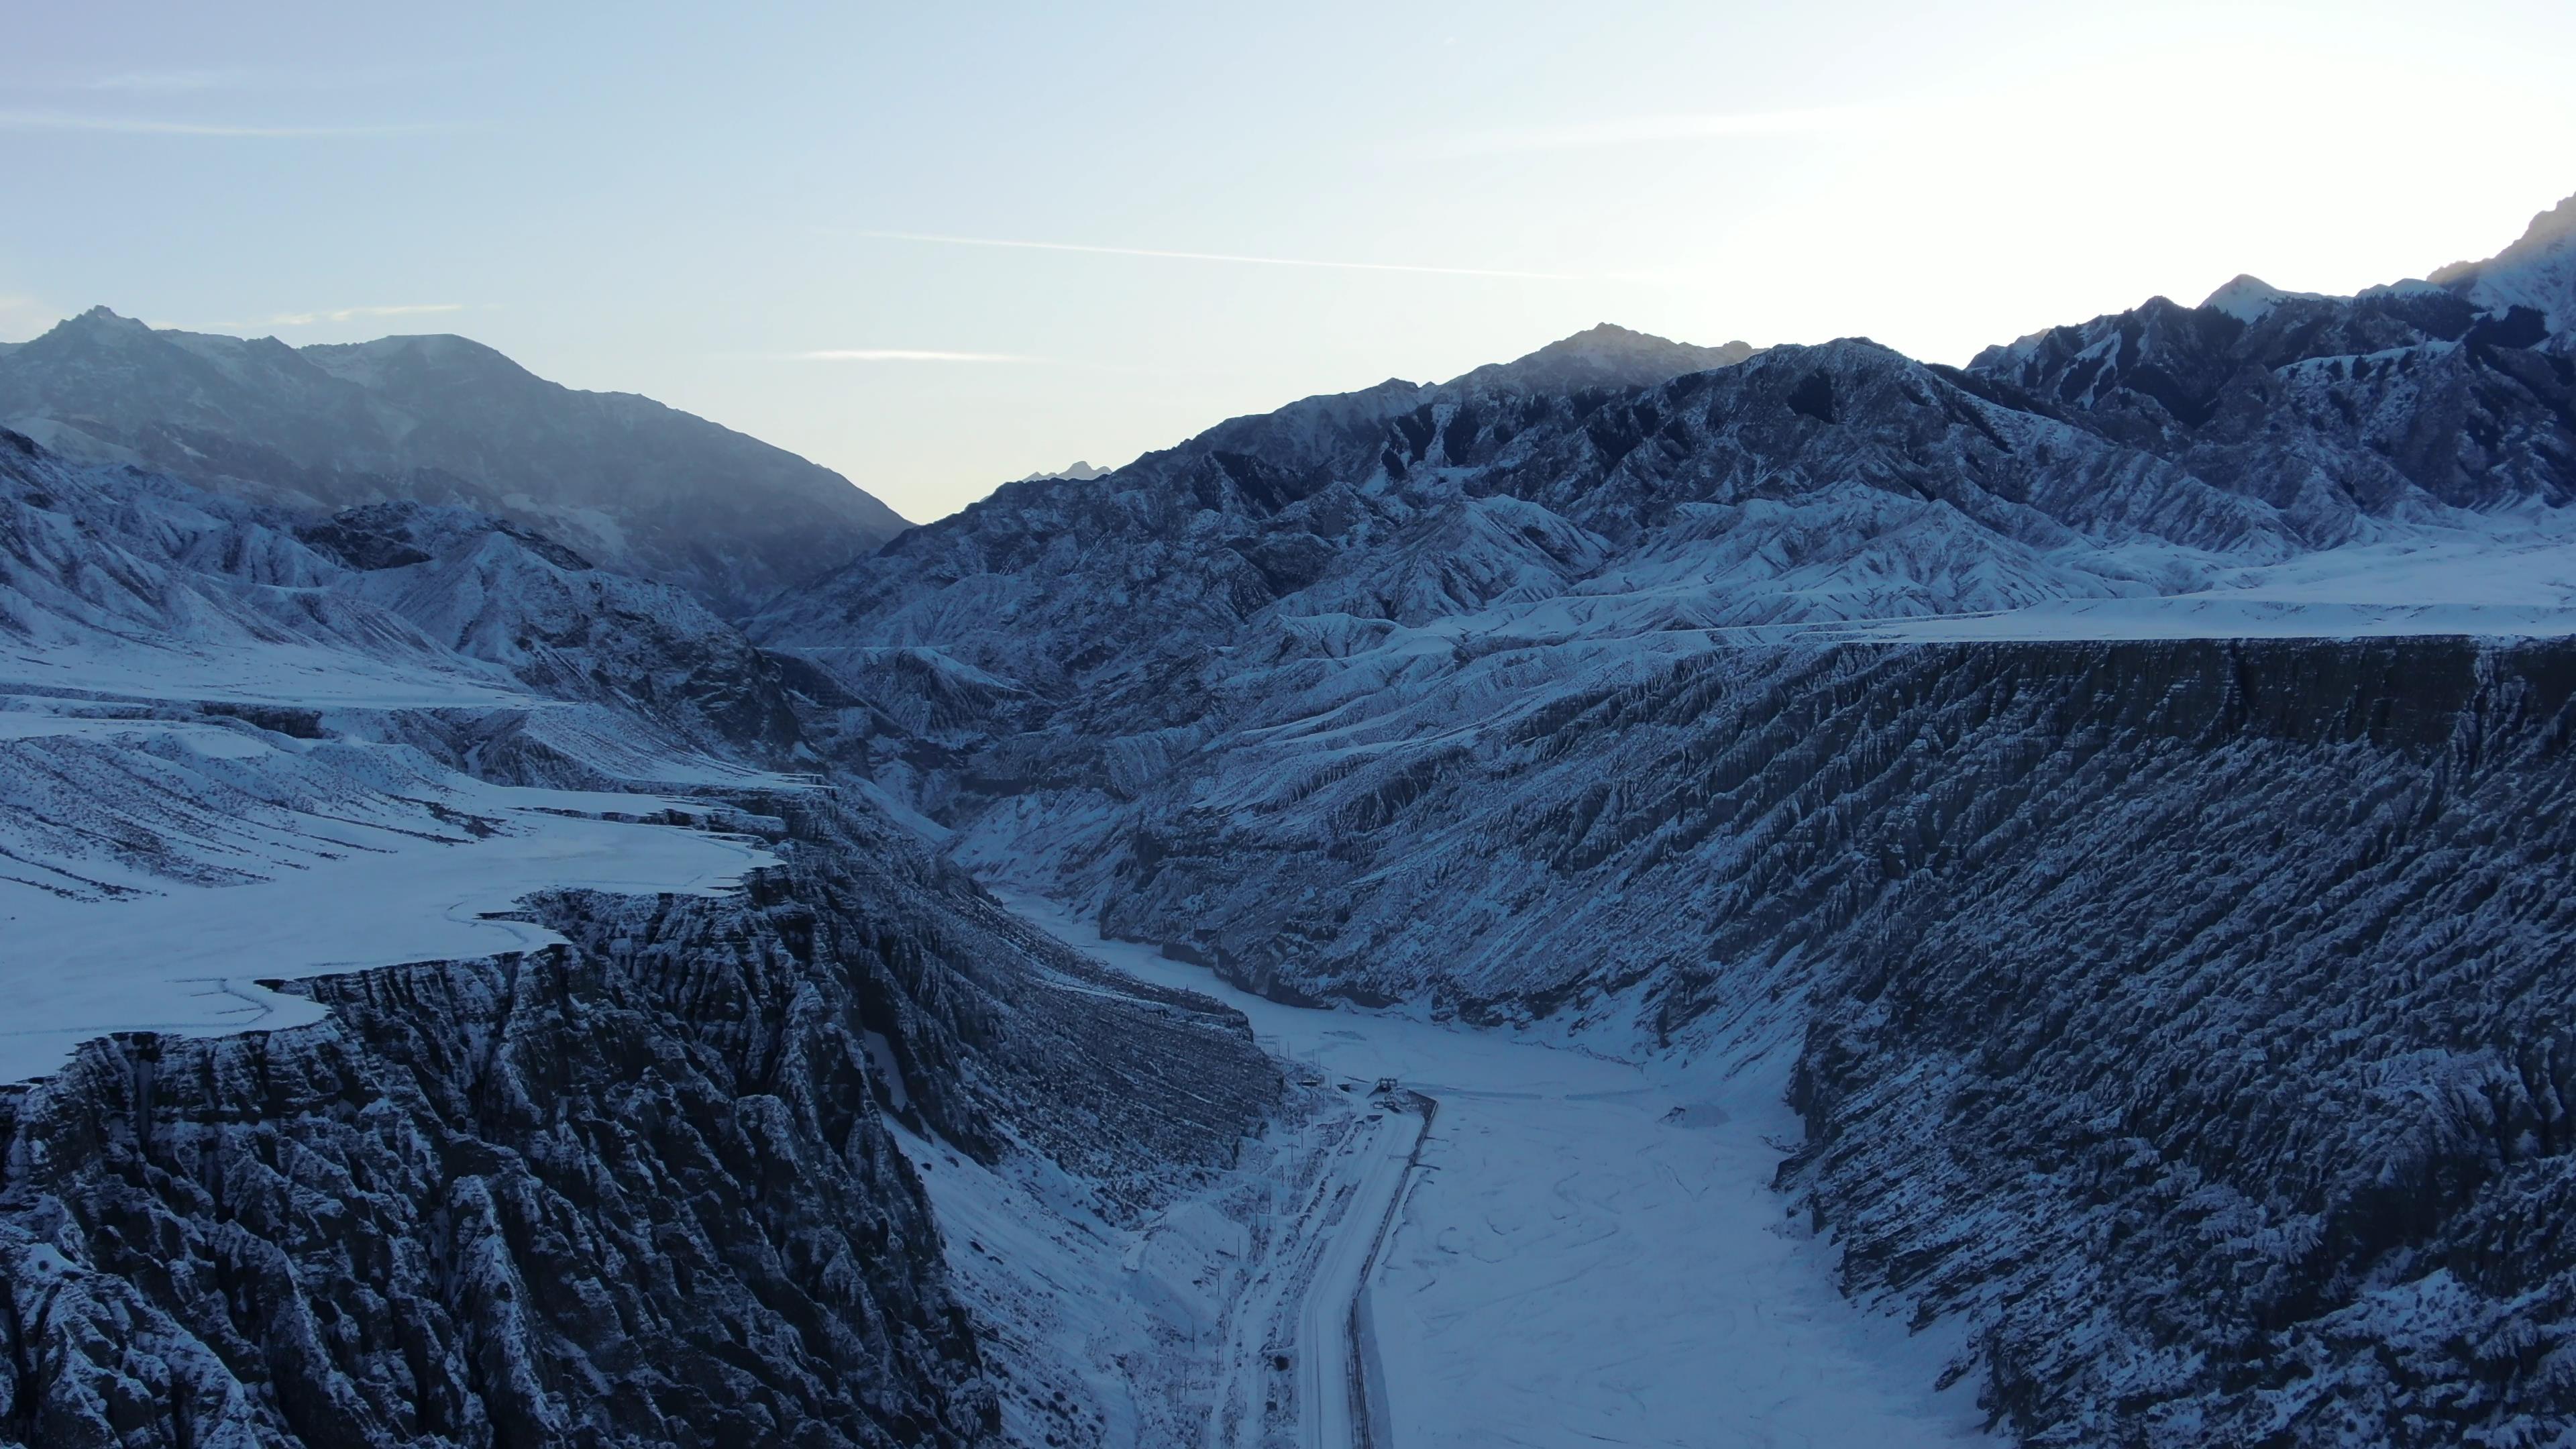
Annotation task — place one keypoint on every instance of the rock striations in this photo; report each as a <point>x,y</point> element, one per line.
<point>2121,786</point>
<point>647,1185</point>
<point>634,1190</point>
<point>2174,1015</point>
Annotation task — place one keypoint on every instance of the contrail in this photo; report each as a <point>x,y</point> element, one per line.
<point>135,126</point>
<point>908,354</point>
<point>1048,246</point>
<point>1642,130</point>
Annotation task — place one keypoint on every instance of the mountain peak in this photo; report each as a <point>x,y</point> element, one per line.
<point>2538,271</point>
<point>417,356</point>
<point>1081,472</point>
<point>2551,229</point>
<point>633,486</point>
<point>2551,232</point>
<point>1604,354</point>
<point>2248,298</point>
<point>102,322</point>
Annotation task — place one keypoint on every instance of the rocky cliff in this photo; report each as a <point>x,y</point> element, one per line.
<point>634,1190</point>
<point>2175,1013</point>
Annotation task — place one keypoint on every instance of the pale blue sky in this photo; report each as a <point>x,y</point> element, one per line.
<point>663,201</point>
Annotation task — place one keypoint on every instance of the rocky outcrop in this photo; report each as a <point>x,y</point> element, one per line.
<point>634,1190</point>
<point>2185,1017</point>
<point>2179,1014</point>
<point>2219,1067</point>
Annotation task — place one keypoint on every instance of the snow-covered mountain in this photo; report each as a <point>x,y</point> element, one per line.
<point>439,419</point>
<point>409,850</point>
<point>2115,792</point>
<point>2331,409</point>
<point>1078,471</point>
<point>2537,272</point>
<point>1617,704</point>
<point>1617,483</point>
<point>114,579</point>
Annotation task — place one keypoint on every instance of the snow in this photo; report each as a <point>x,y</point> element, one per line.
<point>2247,298</point>
<point>241,856</point>
<point>1591,1253</point>
<point>2501,576</point>
<point>287,674</point>
<point>1041,1274</point>
<point>2503,583</point>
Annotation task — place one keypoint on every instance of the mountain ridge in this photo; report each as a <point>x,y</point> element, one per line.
<point>1895,717</point>
<point>441,419</point>
<point>2175,1018</point>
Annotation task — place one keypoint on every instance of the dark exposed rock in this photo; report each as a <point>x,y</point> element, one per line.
<point>634,1190</point>
<point>2190,1017</point>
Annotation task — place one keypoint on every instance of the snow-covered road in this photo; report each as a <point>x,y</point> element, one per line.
<point>1328,1365</point>
<point>1592,1255</point>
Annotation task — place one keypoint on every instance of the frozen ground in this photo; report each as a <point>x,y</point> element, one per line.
<point>1591,1253</point>
<point>2506,576</point>
<point>154,871</point>
<point>1220,1321</point>
<point>304,675</point>
<point>2518,584</point>
<point>1334,1385</point>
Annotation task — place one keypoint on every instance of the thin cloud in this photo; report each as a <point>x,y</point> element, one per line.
<point>140,126</point>
<point>907,354</point>
<point>1049,246</point>
<point>168,80</point>
<point>1651,130</point>
<point>352,314</point>
<point>338,76</point>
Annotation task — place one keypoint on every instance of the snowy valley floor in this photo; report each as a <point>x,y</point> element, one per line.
<point>1590,1253</point>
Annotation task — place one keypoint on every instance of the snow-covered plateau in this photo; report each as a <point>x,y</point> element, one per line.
<point>304,859</point>
<point>1645,894</point>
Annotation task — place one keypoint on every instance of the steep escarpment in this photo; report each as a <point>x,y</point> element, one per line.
<point>2186,1017</point>
<point>638,1189</point>
<point>2234,1107</point>
<point>2174,1011</point>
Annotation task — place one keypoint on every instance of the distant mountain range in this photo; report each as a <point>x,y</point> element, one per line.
<point>623,480</point>
<point>2120,793</point>
<point>2128,773</point>
<point>1077,472</point>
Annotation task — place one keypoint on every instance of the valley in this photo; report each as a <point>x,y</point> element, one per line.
<point>1587,1233</point>
<point>1642,894</point>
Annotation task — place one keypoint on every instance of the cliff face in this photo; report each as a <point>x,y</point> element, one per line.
<point>2191,1017</point>
<point>2225,1076</point>
<point>636,1190</point>
<point>2177,1011</point>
